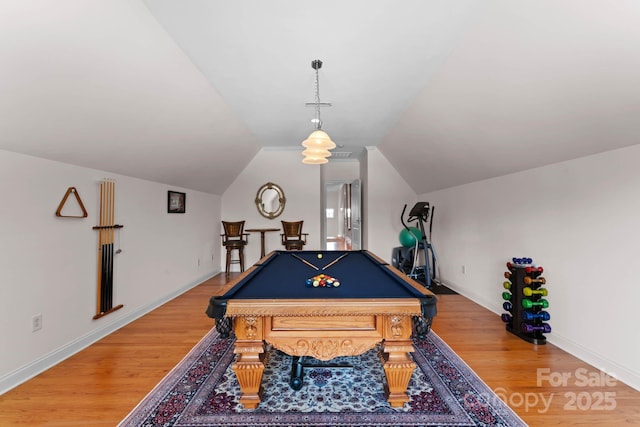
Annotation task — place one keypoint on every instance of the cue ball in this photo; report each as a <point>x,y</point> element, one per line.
<point>319,255</point>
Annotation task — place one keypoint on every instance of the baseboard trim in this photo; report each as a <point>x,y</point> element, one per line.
<point>625,375</point>
<point>36,367</point>
<point>630,378</point>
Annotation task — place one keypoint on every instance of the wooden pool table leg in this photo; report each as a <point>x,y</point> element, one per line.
<point>249,365</point>
<point>398,366</point>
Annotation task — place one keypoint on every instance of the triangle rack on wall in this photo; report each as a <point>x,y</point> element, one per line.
<point>64,200</point>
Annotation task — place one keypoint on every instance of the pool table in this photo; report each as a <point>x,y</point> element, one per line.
<point>369,303</point>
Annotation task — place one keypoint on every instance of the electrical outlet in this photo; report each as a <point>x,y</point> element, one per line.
<point>36,322</point>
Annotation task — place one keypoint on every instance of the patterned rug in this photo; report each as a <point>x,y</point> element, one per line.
<point>202,391</point>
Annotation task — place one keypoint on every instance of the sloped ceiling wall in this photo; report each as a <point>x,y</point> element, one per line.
<point>186,93</point>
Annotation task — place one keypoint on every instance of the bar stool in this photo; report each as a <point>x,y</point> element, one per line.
<point>234,238</point>
<point>292,237</point>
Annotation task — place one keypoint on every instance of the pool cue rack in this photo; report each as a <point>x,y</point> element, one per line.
<point>106,232</point>
<point>524,301</point>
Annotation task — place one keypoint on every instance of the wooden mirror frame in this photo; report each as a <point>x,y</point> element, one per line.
<point>260,202</point>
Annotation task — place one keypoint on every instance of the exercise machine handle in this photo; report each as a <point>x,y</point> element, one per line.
<point>402,216</point>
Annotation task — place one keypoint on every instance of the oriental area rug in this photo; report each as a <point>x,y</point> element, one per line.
<point>202,391</point>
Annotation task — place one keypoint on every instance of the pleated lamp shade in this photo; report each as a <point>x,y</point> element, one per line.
<point>319,140</point>
<point>316,152</point>
<point>315,156</point>
<point>315,160</point>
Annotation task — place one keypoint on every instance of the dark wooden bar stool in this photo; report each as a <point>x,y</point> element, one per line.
<point>293,238</point>
<point>234,238</point>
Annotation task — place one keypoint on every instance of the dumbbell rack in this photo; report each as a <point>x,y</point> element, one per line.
<point>527,316</point>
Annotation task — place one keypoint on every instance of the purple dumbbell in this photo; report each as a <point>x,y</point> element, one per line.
<point>506,318</point>
<point>544,328</point>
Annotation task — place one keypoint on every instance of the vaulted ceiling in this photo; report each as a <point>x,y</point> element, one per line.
<point>187,92</point>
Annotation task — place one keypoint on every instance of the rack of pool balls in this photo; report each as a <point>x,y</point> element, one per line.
<point>322,281</point>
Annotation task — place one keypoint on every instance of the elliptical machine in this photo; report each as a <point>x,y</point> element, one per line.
<point>422,213</point>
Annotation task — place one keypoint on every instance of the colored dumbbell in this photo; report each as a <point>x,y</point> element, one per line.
<point>522,260</point>
<point>543,315</point>
<point>507,306</point>
<point>530,280</point>
<point>527,303</point>
<point>507,275</point>
<point>506,296</point>
<point>528,292</point>
<point>506,285</point>
<point>545,328</point>
<point>506,318</point>
<point>533,269</point>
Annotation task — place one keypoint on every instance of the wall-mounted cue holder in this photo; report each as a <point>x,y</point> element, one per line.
<point>106,258</point>
<point>74,191</point>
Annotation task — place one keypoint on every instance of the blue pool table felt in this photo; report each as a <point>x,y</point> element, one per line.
<point>283,276</point>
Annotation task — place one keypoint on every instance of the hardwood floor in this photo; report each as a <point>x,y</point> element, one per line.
<point>338,244</point>
<point>101,384</point>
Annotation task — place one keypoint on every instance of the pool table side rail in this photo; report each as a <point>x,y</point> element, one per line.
<point>324,307</point>
<point>249,271</point>
<point>408,280</point>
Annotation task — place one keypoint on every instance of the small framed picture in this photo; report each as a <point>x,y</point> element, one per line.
<point>176,202</point>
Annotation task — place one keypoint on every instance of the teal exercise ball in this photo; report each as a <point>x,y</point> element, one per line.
<point>407,239</point>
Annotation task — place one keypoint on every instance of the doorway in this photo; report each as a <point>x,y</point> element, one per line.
<point>341,219</point>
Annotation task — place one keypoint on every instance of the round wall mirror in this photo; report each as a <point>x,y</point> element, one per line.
<point>270,200</point>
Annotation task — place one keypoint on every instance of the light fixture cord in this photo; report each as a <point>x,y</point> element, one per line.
<point>318,120</point>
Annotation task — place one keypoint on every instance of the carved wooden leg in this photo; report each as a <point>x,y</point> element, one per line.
<point>248,368</point>
<point>397,364</point>
<point>249,364</point>
<point>398,368</point>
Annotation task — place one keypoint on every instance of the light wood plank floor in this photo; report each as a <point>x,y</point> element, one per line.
<point>100,385</point>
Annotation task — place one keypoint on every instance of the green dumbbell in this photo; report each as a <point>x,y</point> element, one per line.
<point>528,292</point>
<point>527,303</point>
<point>506,285</point>
<point>506,296</point>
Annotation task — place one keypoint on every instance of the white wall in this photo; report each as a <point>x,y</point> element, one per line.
<point>580,220</point>
<point>384,196</point>
<point>49,264</point>
<point>302,189</point>
<point>341,170</point>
